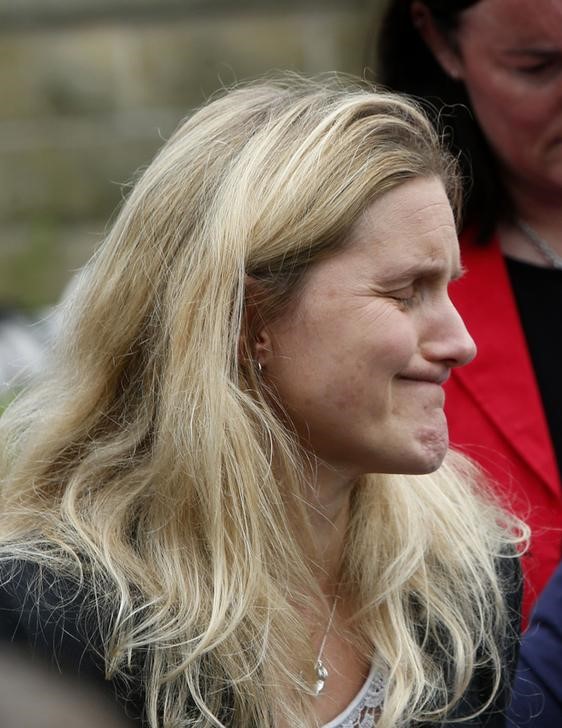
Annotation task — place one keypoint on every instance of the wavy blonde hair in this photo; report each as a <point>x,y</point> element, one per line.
<point>148,464</point>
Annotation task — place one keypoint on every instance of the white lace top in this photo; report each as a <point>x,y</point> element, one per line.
<point>363,709</point>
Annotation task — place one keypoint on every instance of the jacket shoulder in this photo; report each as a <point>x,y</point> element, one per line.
<point>509,572</point>
<point>51,617</point>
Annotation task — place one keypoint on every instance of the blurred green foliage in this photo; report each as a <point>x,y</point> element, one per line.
<point>34,272</point>
<point>91,88</point>
<point>5,400</point>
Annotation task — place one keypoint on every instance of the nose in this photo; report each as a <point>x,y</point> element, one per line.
<point>449,341</point>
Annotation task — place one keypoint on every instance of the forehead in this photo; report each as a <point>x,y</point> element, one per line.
<point>408,230</point>
<point>514,21</point>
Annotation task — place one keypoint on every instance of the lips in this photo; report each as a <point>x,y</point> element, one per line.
<point>439,379</point>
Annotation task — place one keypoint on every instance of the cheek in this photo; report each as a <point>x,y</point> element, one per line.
<point>345,377</point>
<point>348,387</point>
<point>395,345</point>
<point>509,111</point>
<point>492,104</point>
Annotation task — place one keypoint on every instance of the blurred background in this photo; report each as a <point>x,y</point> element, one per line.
<point>90,88</point>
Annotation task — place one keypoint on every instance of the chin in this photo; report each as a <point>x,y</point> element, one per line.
<point>434,445</point>
<point>426,454</point>
<point>422,459</point>
<point>431,464</point>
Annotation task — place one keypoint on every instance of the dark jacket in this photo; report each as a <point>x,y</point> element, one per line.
<point>537,691</point>
<point>61,627</point>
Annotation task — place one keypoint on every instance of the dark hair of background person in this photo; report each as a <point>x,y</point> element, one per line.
<point>404,63</point>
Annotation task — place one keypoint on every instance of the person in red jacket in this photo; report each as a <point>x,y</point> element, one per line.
<point>492,71</point>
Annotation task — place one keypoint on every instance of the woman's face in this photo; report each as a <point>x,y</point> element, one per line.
<point>359,360</point>
<point>510,60</point>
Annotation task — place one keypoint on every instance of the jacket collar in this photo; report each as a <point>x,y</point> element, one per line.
<point>501,379</point>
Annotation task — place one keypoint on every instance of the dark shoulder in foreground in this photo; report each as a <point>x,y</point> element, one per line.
<point>52,621</point>
<point>537,693</point>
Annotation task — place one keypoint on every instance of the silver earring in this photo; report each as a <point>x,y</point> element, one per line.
<point>259,367</point>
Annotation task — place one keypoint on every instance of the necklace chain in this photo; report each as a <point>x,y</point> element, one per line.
<point>319,667</point>
<point>540,244</point>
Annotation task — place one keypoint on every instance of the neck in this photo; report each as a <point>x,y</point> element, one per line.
<point>329,509</point>
<point>542,211</point>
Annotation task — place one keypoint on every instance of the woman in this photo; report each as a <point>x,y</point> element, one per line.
<point>492,70</point>
<point>191,489</point>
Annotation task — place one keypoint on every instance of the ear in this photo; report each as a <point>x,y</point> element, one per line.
<point>255,340</point>
<point>436,40</point>
<point>262,348</point>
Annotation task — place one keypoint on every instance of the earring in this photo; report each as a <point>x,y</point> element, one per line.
<point>259,368</point>
<point>453,72</point>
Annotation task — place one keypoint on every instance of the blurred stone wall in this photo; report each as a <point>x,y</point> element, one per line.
<point>89,88</point>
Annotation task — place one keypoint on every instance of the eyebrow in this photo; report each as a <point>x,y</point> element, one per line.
<point>421,270</point>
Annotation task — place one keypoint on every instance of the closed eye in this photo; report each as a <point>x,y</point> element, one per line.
<point>414,291</point>
<point>537,62</point>
<point>406,297</point>
<point>535,68</point>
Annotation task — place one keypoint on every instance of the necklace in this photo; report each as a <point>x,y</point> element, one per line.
<point>319,667</point>
<point>547,252</point>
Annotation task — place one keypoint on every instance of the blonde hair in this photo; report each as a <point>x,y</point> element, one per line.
<point>149,465</point>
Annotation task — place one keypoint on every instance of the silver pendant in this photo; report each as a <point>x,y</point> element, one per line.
<point>321,676</point>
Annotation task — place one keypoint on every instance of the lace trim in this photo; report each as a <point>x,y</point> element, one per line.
<point>362,711</point>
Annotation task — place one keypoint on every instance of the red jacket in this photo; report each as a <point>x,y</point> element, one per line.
<point>495,412</point>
